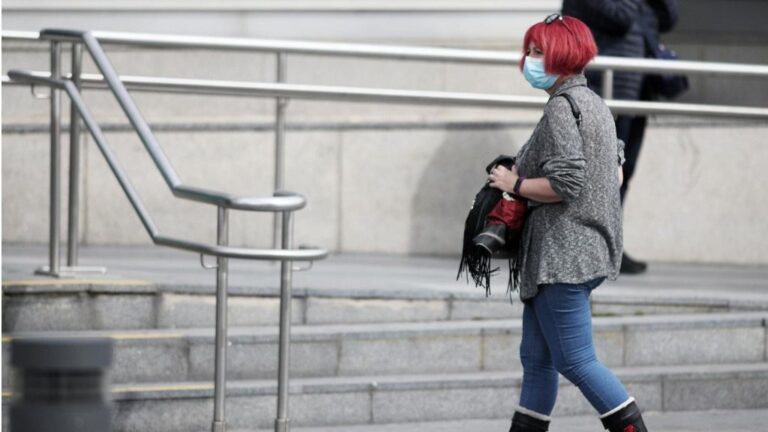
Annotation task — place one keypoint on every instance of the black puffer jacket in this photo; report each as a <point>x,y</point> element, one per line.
<point>623,28</point>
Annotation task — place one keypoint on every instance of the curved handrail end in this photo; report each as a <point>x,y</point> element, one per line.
<point>62,34</point>
<point>33,78</point>
<point>278,203</point>
<point>270,204</point>
<point>244,253</point>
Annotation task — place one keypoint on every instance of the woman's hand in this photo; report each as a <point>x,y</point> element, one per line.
<point>503,179</point>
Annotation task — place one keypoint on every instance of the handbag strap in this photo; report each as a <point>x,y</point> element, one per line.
<point>574,108</point>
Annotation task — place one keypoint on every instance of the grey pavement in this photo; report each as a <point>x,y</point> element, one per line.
<point>694,421</point>
<point>350,272</point>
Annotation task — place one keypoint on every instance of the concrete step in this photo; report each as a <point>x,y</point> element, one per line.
<point>54,305</point>
<point>434,347</point>
<point>395,399</point>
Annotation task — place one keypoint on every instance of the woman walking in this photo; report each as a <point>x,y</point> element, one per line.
<point>570,172</point>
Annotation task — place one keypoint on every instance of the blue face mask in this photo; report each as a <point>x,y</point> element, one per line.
<point>534,73</point>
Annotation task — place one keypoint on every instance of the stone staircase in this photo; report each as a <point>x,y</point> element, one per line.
<point>377,357</point>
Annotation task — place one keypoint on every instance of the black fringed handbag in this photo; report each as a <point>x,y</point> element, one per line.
<point>494,226</point>
<point>492,230</point>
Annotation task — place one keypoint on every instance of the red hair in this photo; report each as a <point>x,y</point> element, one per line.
<point>567,44</point>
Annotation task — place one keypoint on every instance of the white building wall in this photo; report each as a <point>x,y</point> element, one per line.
<point>412,21</point>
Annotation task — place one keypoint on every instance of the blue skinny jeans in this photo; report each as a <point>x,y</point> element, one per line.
<point>557,337</point>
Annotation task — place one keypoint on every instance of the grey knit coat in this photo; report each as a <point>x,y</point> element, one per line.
<point>580,238</point>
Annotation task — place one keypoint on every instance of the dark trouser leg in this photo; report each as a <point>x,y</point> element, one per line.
<point>631,130</point>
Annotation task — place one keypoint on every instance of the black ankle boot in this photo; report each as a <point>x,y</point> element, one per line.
<point>627,419</point>
<point>525,423</point>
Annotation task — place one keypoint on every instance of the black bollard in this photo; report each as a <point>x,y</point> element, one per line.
<point>61,385</point>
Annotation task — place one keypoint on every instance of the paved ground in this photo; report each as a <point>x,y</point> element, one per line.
<point>699,421</point>
<point>389,273</point>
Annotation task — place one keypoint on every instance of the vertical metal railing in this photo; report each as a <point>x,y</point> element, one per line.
<point>54,267</point>
<point>55,191</point>
<point>220,371</point>
<point>284,202</point>
<point>282,422</point>
<point>73,232</point>
<point>219,419</point>
<point>280,105</point>
<point>608,84</point>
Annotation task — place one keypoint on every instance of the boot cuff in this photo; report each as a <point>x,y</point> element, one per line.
<point>532,413</point>
<point>618,408</point>
<point>626,414</point>
<point>529,421</point>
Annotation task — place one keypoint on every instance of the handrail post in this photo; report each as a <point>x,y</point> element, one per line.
<point>280,104</point>
<point>55,172</point>
<point>73,233</point>
<point>282,422</point>
<point>608,84</point>
<point>220,373</point>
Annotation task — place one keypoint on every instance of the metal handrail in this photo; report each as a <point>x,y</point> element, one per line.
<point>288,201</point>
<point>392,52</point>
<point>356,94</point>
<point>281,202</point>
<point>150,142</point>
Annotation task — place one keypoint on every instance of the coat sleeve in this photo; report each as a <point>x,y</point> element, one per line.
<point>614,17</point>
<point>666,13</point>
<point>563,163</point>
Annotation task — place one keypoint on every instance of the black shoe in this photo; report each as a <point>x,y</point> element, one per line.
<point>627,419</point>
<point>525,423</point>
<point>630,266</point>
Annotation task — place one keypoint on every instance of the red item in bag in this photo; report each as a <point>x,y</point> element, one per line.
<point>510,212</point>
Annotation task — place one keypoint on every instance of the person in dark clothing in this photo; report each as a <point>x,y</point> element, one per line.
<point>625,28</point>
